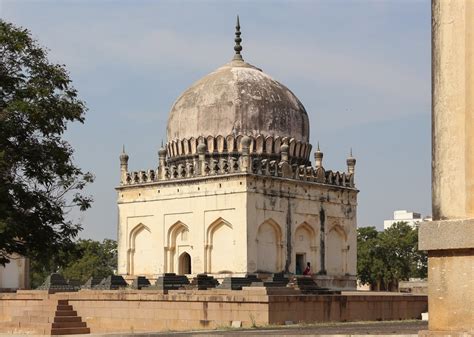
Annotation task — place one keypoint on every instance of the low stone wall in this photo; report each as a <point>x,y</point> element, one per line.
<point>147,310</point>
<point>336,282</point>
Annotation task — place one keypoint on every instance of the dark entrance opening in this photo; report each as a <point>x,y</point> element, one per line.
<point>185,264</point>
<point>300,264</point>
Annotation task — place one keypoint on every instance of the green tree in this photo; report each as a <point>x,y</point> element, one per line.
<point>39,183</point>
<point>84,259</point>
<point>366,255</point>
<point>95,259</point>
<point>385,258</point>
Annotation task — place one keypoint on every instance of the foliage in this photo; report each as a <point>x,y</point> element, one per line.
<point>385,258</point>
<point>87,258</point>
<point>39,184</point>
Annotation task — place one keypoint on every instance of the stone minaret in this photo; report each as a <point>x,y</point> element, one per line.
<point>123,166</point>
<point>351,163</point>
<point>318,158</point>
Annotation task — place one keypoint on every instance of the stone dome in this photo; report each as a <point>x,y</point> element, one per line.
<point>238,99</point>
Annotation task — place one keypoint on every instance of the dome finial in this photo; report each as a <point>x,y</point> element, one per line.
<point>237,47</point>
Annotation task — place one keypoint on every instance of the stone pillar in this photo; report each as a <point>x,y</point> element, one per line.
<point>449,239</point>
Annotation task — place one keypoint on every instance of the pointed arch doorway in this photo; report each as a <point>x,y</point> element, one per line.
<point>184,264</point>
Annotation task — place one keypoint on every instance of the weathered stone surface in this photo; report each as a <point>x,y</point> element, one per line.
<point>446,234</point>
<point>238,99</point>
<point>133,311</point>
<point>451,290</point>
<point>450,243</point>
<point>16,274</point>
<point>453,109</point>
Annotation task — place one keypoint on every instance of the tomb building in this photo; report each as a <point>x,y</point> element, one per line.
<point>234,190</point>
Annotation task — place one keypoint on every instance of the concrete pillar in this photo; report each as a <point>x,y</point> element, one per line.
<point>449,239</point>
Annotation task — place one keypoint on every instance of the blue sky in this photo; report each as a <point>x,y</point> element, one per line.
<point>361,68</point>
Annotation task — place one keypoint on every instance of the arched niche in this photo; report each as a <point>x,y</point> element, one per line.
<point>140,251</point>
<point>269,247</point>
<point>305,247</point>
<point>219,243</point>
<point>177,233</point>
<point>336,251</point>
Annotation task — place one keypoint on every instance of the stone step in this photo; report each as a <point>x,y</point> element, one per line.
<point>63,302</point>
<point>64,307</point>
<point>60,325</point>
<point>70,331</point>
<point>67,319</point>
<point>65,313</point>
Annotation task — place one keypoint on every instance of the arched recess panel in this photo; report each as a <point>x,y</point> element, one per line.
<point>221,239</point>
<point>335,244</point>
<point>268,247</point>
<point>304,241</point>
<point>177,235</point>
<point>142,251</point>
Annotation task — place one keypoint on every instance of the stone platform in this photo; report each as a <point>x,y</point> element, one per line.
<point>125,311</point>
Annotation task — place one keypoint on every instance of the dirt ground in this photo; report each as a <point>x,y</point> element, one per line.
<point>346,329</point>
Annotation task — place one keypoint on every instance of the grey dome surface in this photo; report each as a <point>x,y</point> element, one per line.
<point>238,99</point>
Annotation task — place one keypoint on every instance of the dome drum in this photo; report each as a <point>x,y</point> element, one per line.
<point>220,146</point>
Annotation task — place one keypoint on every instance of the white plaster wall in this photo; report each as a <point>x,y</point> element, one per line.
<point>237,223</point>
<point>293,210</point>
<point>15,275</point>
<point>211,213</point>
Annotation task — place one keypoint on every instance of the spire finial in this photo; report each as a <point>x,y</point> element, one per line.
<point>123,148</point>
<point>237,47</point>
<point>318,146</point>
<point>350,153</point>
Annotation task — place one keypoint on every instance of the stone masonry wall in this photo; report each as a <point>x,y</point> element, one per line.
<point>134,311</point>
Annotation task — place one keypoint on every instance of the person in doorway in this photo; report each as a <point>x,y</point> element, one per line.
<point>307,271</point>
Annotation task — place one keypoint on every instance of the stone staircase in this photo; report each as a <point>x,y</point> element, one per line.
<point>54,318</point>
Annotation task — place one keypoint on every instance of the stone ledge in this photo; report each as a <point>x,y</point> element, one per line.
<point>429,333</point>
<point>446,234</point>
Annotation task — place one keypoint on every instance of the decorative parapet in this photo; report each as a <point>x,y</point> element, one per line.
<point>211,167</point>
<point>206,163</point>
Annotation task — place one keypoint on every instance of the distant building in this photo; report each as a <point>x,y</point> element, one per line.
<point>410,218</point>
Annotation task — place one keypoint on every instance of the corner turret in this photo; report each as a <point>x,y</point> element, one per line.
<point>351,162</point>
